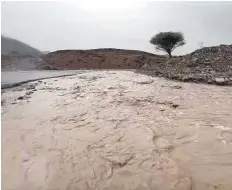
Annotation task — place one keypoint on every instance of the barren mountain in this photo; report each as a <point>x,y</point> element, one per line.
<point>17,55</point>
<point>13,47</point>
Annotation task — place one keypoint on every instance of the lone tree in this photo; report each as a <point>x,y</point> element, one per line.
<point>168,41</point>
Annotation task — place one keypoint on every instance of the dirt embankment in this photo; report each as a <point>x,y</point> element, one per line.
<point>101,59</point>
<point>207,65</point>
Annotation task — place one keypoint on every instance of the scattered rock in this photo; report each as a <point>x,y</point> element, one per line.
<point>111,87</point>
<point>29,93</point>
<point>212,65</point>
<point>21,97</point>
<point>174,105</point>
<point>169,103</point>
<point>177,87</point>
<point>144,66</point>
<point>145,82</point>
<point>187,78</point>
<point>82,77</point>
<point>210,81</point>
<point>220,80</point>
<point>30,86</point>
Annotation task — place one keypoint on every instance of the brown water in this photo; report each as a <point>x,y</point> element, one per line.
<point>117,130</point>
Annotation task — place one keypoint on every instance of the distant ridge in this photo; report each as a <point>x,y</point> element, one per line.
<point>13,47</point>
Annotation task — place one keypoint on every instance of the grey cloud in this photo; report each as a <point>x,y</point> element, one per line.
<point>66,25</point>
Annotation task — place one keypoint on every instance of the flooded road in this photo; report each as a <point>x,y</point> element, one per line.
<point>12,78</point>
<point>116,130</point>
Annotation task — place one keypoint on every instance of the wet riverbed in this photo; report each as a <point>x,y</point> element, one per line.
<point>116,130</point>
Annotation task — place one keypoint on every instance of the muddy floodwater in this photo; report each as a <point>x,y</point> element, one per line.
<point>116,130</point>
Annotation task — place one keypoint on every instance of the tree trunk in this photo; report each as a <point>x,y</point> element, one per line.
<point>169,54</point>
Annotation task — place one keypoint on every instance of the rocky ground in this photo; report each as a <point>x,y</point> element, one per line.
<point>116,130</point>
<point>212,65</point>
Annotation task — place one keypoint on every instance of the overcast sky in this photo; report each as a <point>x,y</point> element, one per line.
<point>127,24</point>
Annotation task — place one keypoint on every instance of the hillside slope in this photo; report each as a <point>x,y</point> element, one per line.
<point>100,59</point>
<point>17,48</point>
<point>17,55</point>
<point>207,65</point>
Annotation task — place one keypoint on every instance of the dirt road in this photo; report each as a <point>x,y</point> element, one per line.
<point>116,130</point>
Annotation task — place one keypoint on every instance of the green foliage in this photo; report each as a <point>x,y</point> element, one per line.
<point>168,41</point>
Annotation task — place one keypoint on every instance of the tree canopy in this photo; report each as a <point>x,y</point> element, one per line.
<point>168,41</point>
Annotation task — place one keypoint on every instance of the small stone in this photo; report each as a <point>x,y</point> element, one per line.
<point>30,92</point>
<point>145,82</point>
<point>220,80</point>
<point>30,87</point>
<point>212,72</point>
<point>175,105</point>
<point>20,97</point>
<point>186,78</point>
<point>177,87</point>
<point>144,66</point>
<point>210,81</point>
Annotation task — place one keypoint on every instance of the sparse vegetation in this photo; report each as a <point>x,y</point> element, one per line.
<point>168,41</point>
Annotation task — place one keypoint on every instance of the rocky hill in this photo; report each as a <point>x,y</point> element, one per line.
<point>101,59</point>
<point>208,65</point>
<point>13,47</point>
<point>17,55</point>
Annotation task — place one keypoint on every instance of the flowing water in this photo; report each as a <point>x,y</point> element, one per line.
<point>117,130</point>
